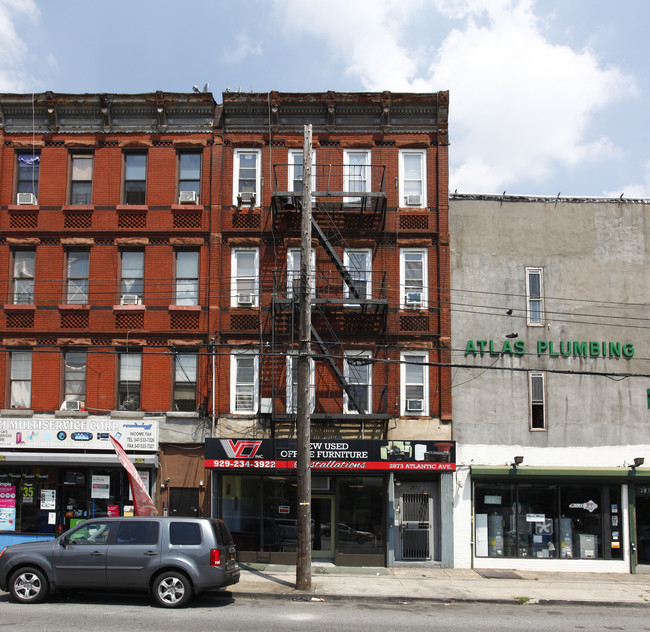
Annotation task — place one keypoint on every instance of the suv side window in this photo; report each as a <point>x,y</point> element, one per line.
<point>92,534</point>
<point>138,533</point>
<point>185,533</point>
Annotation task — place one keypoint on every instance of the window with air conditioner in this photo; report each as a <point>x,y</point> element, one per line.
<point>357,371</point>
<point>23,277</point>
<point>27,175</point>
<point>132,277</point>
<point>129,382</point>
<point>413,278</point>
<point>77,277</point>
<point>247,176</point>
<point>244,382</point>
<point>189,177</point>
<point>292,384</point>
<point>414,383</point>
<point>184,394</point>
<point>81,178</point>
<point>356,173</point>
<point>245,277</point>
<point>187,277</point>
<point>293,272</point>
<point>535,297</point>
<point>20,388</point>
<point>412,178</point>
<point>537,399</point>
<point>74,379</point>
<point>135,178</point>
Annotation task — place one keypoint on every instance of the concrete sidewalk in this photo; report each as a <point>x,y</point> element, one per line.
<point>444,585</point>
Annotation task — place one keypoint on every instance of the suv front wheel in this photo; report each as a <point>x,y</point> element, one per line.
<point>28,585</point>
<point>172,589</point>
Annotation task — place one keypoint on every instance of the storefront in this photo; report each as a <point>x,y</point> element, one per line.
<point>57,471</point>
<point>373,502</point>
<point>553,518</point>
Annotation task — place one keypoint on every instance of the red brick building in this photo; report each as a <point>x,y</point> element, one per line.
<point>151,245</point>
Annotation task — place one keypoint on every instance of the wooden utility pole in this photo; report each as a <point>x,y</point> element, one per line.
<point>303,563</point>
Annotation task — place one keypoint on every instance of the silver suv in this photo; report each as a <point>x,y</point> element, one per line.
<point>173,558</point>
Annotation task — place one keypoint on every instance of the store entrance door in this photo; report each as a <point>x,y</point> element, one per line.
<point>323,527</point>
<point>416,503</point>
<point>642,507</point>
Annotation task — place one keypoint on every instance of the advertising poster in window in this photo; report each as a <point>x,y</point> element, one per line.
<point>101,486</point>
<point>7,507</point>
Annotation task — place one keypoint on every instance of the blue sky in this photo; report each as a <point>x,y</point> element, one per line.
<point>547,96</point>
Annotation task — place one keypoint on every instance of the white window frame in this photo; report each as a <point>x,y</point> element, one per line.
<point>20,389</point>
<point>366,252</point>
<point>531,299</point>
<point>537,401</point>
<point>234,289</point>
<point>80,175</point>
<point>24,272</point>
<point>77,286</point>
<point>185,380</point>
<point>404,287</point>
<point>186,286</point>
<point>132,278</point>
<point>347,369</point>
<point>235,386</point>
<point>356,172</point>
<point>423,358</point>
<point>422,154</point>
<point>129,376</point>
<point>292,387</point>
<point>293,271</point>
<point>75,369</point>
<point>258,175</point>
<point>291,175</point>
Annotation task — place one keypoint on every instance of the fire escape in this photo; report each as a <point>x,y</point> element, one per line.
<point>349,299</point>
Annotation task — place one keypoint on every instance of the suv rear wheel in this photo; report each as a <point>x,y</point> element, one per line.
<point>172,589</point>
<point>28,585</point>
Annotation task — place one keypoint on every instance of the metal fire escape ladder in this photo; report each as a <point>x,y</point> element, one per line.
<point>338,264</point>
<point>341,378</point>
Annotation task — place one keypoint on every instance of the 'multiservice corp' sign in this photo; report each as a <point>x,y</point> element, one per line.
<point>564,348</point>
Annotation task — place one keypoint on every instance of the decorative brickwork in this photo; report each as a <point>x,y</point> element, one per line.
<point>74,320</point>
<point>241,220</point>
<point>132,220</point>
<point>77,220</point>
<point>129,320</point>
<point>187,219</point>
<point>20,320</point>
<point>244,322</point>
<point>418,322</point>
<point>414,222</point>
<point>23,220</point>
<point>184,320</point>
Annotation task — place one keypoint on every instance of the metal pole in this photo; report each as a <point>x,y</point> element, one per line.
<point>303,562</point>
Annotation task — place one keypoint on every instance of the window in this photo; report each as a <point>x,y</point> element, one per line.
<point>534,296</point>
<point>358,263</point>
<point>247,176</point>
<point>132,284</point>
<point>356,173</point>
<point>81,178</point>
<point>412,178</point>
<point>413,275</point>
<point>187,277</point>
<point>128,388</point>
<point>135,178</point>
<point>131,532</point>
<point>293,272</point>
<point>296,170</point>
<point>245,271</point>
<point>185,382</point>
<point>27,178</point>
<point>415,384</point>
<point>357,370</point>
<point>189,176</point>
<point>292,384</point>
<point>21,379</point>
<point>77,279</point>
<point>74,376</point>
<point>537,401</point>
<point>244,382</point>
<point>184,533</point>
<point>23,281</point>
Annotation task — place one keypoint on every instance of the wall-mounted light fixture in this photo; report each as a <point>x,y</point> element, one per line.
<point>517,461</point>
<point>638,461</point>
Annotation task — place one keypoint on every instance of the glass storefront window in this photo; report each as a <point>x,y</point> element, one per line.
<point>360,525</point>
<point>23,506</point>
<point>545,520</point>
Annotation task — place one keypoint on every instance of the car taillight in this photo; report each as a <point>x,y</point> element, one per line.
<point>215,557</point>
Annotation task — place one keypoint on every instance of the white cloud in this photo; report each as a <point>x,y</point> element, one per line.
<point>12,48</point>
<point>520,105</point>
<point>243,48</point>
<point>639,190</point>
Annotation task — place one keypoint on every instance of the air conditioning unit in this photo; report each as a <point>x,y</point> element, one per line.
<point>245,299</point>
<point>414,405</point>
<point>414,298</point>
<point>27,198</point>
<point>130,299</point>
<point>413,200</point>
<point>247,196</point>
<point>188,197</point>
<point>73,405</point>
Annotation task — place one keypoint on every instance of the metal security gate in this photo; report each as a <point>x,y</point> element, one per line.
<point>416,524</point>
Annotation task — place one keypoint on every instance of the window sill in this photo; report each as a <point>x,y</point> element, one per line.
<point>77,207</point>
<point>72,414</point>
<point>181,414</point>
<point>184,308</point>
<point>15,307</point>
<point>16,412</point>
<point>74,307</point>
<point>127,414</point>
<point>129,308</point>
<point>23,207</point>
<point>188,207</point>
<point>136,208</point>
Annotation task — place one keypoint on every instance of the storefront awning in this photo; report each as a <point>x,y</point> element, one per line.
<point>74,458</point>
<point>621,474</point>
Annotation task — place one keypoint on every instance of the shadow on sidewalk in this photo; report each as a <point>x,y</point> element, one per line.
<point>254,571</point>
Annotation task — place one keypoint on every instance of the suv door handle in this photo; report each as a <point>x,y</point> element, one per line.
<point>97,553</point>
<point>151,552</point>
